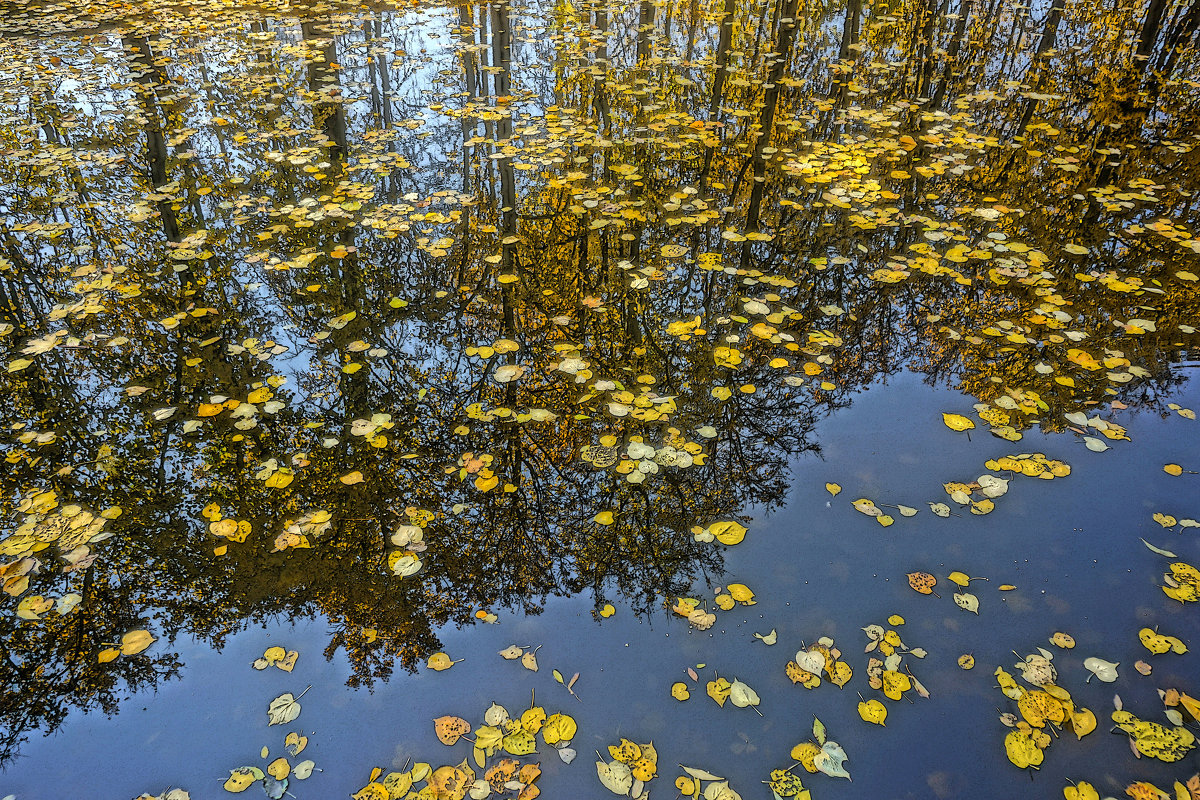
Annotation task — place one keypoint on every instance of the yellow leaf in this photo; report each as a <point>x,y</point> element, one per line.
<point>806,753</point>
<point>1081,791</point>
<point>440,661</point>
<point>108,654</point>
<point>603,518</point>
<point>450,729</point>
<point>279,769</point>
<point>558,728</point>
<point>135,642</point>
<point>957,422</point>
<point>352,478</point>
<point>873,711</point>
<point>608,610</point>
<point>1083,722</point>
<point>833,489</point>
<point>1022,750</point>
<point>679,691</point>
<point>487,484</point>
<point>242,778</point>
<point>728,532</point>
<point>741,593</point>
<point>279,480</point>
<point>719,690</point>
<point>840,673</point>
<point>1173,469</point>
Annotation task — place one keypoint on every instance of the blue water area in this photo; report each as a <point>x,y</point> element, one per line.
<point>818,568</point>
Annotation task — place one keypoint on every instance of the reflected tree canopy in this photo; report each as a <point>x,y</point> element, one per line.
<point>403,314</point>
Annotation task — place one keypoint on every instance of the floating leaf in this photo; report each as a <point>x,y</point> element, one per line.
<point>957,422</point>
<point>615,776</point>
<point>1154,740</point>
<point>1104,670</point>
<point>718,690</point>
<point>1159,643</point>
<point>1158,550</point>
<point>873,711</point>
<point>1063,640</point>
<point>833,488</point>
<point>922,582</point>
<point>767,639</point>
<point>967,602</point>
<point>135,642</point>
<point>1022,750</point>
<point>742,695</point>
<point>242,778</point>
<point>830,760</point>
<point>450,729</point>
<point>440,661</point>
<point>283,709</point>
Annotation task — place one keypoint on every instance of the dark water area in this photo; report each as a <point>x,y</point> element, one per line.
<point>397,335</point>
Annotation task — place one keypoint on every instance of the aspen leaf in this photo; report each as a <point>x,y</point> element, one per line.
<point>1159,643</point>
<point>450,729</point>
<point>742,695</point>
<point>833,489</point>
<point>957,422</point>
<point>922,582</point>
<point>679,690</point>
<point>283,709</point>
<point>741,593</point>
<point>279,769</point>
<point>967,602</point>
<point>615,776</point>
<point>440,661</point>
<point>1063,640</point>
<point>1104,670</point>
<point>873,711</point>
<point>511,652</point>
<point>558,729</point>
<point>728,532</point>
<point>243,778</point>
<point>831,760</point>
<point>294,743</point>
<point>529,661</point>
<point>718,690</point>
<point>1021,749</point>
<point>135,642</point>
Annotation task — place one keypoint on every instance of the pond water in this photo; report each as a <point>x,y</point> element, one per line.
<point>695,350</point>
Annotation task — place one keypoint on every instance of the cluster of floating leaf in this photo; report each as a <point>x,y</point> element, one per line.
<point>632,766</point>
<point>639,460</point>
<point>1045,705</point>
<point>693,609</point>
<point>278,773</point>
<point>822,657</point>
<point>498,747</point>
<point>885,674</point>
<point>819,754</point>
